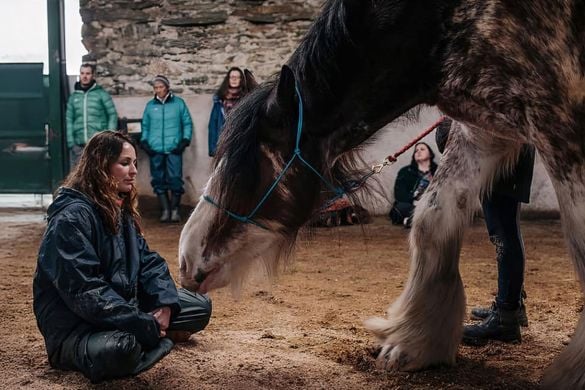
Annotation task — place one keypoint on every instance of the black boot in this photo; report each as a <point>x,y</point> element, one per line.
<point>175,203</point>
<point>481,313</point>
<point>149,358</point>
<point>499,325</point>
<point>165,212</point>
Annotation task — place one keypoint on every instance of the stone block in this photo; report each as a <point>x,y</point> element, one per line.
<point>203,19</point>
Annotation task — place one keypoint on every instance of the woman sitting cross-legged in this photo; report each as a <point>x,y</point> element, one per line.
<point>105,303</point>
<point>411,182</point>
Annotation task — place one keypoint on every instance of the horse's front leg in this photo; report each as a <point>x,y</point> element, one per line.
<point>424,324</point>
<point>568,176</point>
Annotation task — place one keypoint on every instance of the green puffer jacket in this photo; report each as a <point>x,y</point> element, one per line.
<point>89,112</point>
<point>165,125</point>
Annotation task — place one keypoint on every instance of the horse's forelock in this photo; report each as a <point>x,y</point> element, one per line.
<point>236,161</point>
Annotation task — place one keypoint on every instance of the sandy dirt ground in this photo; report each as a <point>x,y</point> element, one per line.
<point>304,330</point>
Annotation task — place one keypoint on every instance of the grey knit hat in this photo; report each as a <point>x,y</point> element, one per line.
<point>162,79</point>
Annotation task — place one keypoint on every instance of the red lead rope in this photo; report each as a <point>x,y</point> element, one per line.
<point>391,159</point>
<point>409,145</point>
<point>354,185</point>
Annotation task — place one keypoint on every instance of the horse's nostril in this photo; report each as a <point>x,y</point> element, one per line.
<point>200,276</point>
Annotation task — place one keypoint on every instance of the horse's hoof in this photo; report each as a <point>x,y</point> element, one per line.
<point>400,351</point>
<point>392,358</point>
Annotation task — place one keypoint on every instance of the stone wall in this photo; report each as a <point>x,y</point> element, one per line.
<point>193,42</point>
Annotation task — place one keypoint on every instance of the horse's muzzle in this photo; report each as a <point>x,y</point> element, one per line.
<point>200,275</point>
<point>194,283</point>
<point>189,284</point>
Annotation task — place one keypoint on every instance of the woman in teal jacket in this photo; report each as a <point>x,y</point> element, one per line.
<point>166,132</point>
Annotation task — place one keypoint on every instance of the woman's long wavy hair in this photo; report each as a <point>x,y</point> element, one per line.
<point>245,86</point>
<point>92,177</point>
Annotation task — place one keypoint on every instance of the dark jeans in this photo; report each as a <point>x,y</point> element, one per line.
<point>166,172</point>
<point>501,217</point>
<point>400,211</point>
<point>74,155</point>
<point>108,354</point>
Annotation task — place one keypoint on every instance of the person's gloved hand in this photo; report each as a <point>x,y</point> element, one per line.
<point>147,149</point>
<point>181,146</point>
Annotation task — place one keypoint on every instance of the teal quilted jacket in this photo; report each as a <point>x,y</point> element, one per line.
<point>164,125</point>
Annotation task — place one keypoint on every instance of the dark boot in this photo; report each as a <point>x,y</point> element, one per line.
<point>481,313</point>
<point>175,203</point>
<point>165,211</point>
<point>499,325</point>
<point>149,358</point>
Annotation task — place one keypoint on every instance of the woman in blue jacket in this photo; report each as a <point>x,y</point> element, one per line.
<point>105,303</point>
<point>166,132</point>
<point>236,84</point>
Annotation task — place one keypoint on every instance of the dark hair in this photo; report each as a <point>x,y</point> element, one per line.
<point>88,65</point>
<point>92,177</point>
<point>225,84</point>
<point>431,153</point>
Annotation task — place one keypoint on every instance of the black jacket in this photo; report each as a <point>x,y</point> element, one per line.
<point>89,280</point>
<point>517,183</point>
<point>407,182</point>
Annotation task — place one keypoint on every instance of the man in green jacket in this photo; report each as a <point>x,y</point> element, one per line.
<point>89,109</point>
<point>166,132</point>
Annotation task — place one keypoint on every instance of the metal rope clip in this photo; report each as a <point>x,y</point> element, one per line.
<point>378,167</point>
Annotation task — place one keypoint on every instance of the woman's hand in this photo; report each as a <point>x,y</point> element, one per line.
<point>163,317</point>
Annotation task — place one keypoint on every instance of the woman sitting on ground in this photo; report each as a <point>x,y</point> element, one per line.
<point>411,182</point>
<point>105,303</point>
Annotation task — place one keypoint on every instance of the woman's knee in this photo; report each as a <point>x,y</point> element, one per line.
<point>195,312</point>
<point>112,354</point>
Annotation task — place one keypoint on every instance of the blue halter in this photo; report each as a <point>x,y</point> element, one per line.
<point>338,191</point>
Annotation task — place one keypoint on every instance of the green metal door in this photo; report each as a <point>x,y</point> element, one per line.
<point>24,117</point>
<point>32,116</point>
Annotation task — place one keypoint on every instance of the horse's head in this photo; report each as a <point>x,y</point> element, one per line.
<point>360,66</point>
<point>257,142</point>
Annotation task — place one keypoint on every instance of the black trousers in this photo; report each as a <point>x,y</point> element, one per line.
<point>102,355</point>
<point>400,211</point>
<point>501,214</point>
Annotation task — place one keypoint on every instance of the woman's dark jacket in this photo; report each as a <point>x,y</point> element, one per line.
<point>407,182</point>
<point>216,122</point>
<point>89,280</point>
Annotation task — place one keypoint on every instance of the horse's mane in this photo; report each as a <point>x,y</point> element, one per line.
<point>317,56</point>
<point>238,154</point>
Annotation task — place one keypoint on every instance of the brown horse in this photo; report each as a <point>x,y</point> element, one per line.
<point>509,71</point>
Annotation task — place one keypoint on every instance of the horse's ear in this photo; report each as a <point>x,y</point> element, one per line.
<point>250,80</point>
<point>285,91</point>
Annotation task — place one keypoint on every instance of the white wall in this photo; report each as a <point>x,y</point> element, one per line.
<point>196,163</point>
